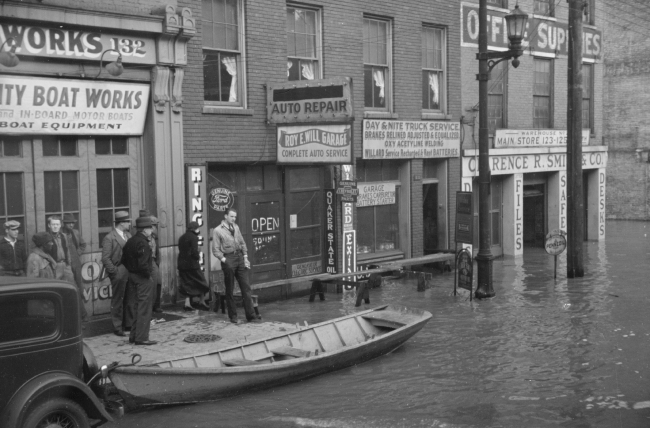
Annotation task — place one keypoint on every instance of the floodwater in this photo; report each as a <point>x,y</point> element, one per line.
<point>542,353</point>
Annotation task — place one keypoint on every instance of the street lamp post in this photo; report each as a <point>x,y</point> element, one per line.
<point>516,26</point>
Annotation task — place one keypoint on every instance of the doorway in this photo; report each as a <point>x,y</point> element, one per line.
<point>430,214</point>
<point>534,219</point>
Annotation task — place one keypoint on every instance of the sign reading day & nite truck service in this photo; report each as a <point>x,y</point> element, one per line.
<point>398,139</point>
<point>314,144</point>
<point>71,107</point>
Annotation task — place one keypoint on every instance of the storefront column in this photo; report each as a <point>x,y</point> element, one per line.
<point>596,204</point>
<point>557,201</point>
<point>513,215</point>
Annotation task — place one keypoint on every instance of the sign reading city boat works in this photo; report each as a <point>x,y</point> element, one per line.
<point>62,42</point>
<point>398,139</point>
<point>534,137</point>
<point>542,35</point>
<point>71,107</point>
<point>373,194</point>
<point>314,144</point>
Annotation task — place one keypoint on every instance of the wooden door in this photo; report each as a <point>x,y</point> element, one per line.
<point>266,246</point>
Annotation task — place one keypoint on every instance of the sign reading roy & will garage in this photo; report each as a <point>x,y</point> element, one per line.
<point>314,144</point>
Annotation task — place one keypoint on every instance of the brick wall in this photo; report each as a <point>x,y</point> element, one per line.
<point>126,7</point>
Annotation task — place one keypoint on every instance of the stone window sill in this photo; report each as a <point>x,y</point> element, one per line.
<point>380,115</point>
<point>438,116</point>
<point>228,111</point>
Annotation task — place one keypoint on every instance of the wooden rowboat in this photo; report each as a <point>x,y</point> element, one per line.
<point>309,351</point>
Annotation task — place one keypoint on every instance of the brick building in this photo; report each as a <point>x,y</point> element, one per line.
<point>403,62</point>
<point>625,127</point>
<point>527,121</point>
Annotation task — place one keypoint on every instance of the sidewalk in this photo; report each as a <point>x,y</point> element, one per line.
<point>170,328</point>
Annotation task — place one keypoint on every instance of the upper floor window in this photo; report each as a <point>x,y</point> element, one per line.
<point>59,146</point>
<point>587,96</point>
<point>303,44</point>
<point>10,146</point>
<point>498,3</point>
<point>543,7</point>
<point>588,12</point>
<point>12,200</point>
<point>497,97</point>
<point>433,68</point>
<point>111,146</point>
<point>223,72</point>
<point>376,63</point>
<point>543,93</point>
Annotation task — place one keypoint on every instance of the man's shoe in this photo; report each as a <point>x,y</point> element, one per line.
<point>131,340</point>
<point>146,342</point>
<point>157,310</point>
<point>256,321</point>
<point>188,309</point>
<point>118,333</point>
<point>234,320</point>
<point>127,328</point>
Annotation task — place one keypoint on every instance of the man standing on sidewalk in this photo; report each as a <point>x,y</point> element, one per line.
<point>229,247</point>
<point>76,247</point>
<point>138,260</point>
<point>12,251</point>
<point>112,246</point>
<point>59,250</point>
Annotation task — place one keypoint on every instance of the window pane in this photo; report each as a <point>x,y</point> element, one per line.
<point>104,188</point>
<point>254,178</point>
<point>15,205</point>
<point>121,187</point>
<point>50,146</point>
<point>387,227</point>
<point>219,36</point>
<point>495,112</point>
<point>119,146</point>
<point>223,179</point>
<point>379,83</point>
<point>266,249</point>
<point>102,145</point>
<point>541,112</point>
<point>390,170</point>
<point>586,114</point>
<point>231,12</point>
<point>366,230</point>
<point>368,86</point>
<point>25,318</point>
<point>293,70</point>
<point>219,11</point>
<point>304,178</point>
<point>431,168</point>
<point>105,218</point>
<point>306,207</point>
<point>70,191</point>
<point>366,41</point>
<point>271,177</point>
<point>3,195</point>
<point>52,191</point>
<point>68,146</point>
<point>206,10</point>
<point>431,82</point>
<point>496,227</point>
<point>232,37</point>
<point>11,146</point>
<point>305,243</point>
<point>373,171</point>
<point>211,76</point>
<point>228,65</point>
<point>208,35</point>
<point>310,21</point>
<point>265,227</point>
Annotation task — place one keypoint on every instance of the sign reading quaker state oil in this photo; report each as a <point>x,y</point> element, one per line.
<point>31,106</point>
<point>399,139</point>
<point>314,144</point>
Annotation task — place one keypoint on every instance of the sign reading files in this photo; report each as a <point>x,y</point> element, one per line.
<point>71,107</point>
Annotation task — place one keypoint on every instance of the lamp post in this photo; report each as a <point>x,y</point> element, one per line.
<point>516,26</point>
<point>9,58</point>
<point>114,68</point>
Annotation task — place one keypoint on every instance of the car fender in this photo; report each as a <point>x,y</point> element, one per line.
<point>56,383</point>
<point>90,363</point>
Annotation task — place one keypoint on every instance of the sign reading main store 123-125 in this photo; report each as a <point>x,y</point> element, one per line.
<point>71,107</point>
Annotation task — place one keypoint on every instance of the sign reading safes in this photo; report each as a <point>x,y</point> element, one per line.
<point>314,144</point>
<point>327,100</point>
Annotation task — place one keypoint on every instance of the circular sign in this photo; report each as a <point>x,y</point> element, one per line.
<point>555,245</point>
<point>221,199</point>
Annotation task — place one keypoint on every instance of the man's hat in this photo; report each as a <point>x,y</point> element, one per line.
<point>121,216</point>
<point>69,218</point>
<point>12,224</point>
<point>41,238</point>
<point>193,225</point>
<point>143,222</point>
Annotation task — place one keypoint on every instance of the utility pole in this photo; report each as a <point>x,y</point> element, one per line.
<point>575,196</point>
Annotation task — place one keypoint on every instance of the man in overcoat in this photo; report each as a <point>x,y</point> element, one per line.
<point>12,251</point>
<point>76,247</point>
<point>192,282</point>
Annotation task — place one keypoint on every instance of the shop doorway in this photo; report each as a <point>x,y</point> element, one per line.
<point>430,214</point>
<point>534,219</point>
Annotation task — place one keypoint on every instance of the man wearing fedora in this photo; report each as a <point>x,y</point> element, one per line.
<point>112,247</point>
<point>76,247</point>
<point>155,252</point>
<point>12,251</point>
<point>137,257</point>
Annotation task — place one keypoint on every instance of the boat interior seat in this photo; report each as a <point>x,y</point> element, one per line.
<point>290,351</point>
<point>241,362</point>
<point>385,319</point>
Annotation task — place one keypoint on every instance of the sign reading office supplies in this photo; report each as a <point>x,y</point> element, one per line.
<point>71,107</point>
<point>324,144</point>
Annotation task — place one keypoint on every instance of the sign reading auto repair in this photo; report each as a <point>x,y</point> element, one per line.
<point>314,144</point>
<point>542,35</point>
<point>71,107</point>
<point>398,139</point>
<point>373,194</point>
<point>50,42</point>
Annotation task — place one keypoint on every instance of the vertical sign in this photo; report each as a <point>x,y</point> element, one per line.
<point>349,234</point>
<point>330,233</point>
<point>519,214</point>
<point>197,211</point>
<point>601,204</point>
<point>464,217</point>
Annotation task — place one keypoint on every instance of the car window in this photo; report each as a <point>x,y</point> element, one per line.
<point>27,317</point>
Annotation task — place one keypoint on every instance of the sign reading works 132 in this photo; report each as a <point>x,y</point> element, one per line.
<point>72,107</point>
<point>314,144</point>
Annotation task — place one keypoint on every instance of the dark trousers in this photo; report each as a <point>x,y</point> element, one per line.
<point>120,314</point>
<point>158,286</point>
<point>235,268</point>
<point>144,288</point>
<point>76,271</point>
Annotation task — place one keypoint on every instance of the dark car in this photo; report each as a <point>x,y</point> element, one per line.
<point>45,368</point>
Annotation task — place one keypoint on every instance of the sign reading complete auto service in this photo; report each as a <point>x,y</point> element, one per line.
<point>398,139</point>
<point>314,144</point>
<point>71,107</point>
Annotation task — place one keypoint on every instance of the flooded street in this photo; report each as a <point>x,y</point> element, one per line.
<point>542,353</point>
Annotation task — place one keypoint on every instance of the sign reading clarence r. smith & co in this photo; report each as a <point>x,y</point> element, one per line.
<point>314,144</point>
<point>31,106</point>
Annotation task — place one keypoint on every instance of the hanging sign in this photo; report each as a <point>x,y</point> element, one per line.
<point>197,211</point>
<point>314,144</point>
<point>330,232</point>
<point>398,139</point>
<point>373,194</point>
<point>31,106</point>
<point>221,199</point>
<point>464,217</point>
<point>349,252</point>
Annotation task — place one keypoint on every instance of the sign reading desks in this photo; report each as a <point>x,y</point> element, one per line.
<point>348,191</point>
<point>464,217</point>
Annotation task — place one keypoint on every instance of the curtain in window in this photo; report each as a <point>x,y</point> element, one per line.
<point>435,88</point>
<point>378,75</point>
<point>308,71</point>
<point>289,64</point>
<point>231,67</point>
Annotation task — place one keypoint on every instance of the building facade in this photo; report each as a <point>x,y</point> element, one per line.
<point>277,155</point>
<point>527,116</point>
<point>77,139</point>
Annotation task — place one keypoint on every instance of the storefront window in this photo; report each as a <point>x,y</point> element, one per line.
<point>265,228</point>
<point>111,146</point>
<point>10,146</point>
<point>305,211</point>
<point>262,178</point>
<point>377,171</point>
<point>61,193</point>
<point>12,205</point>
<point>59,146</point>
<point>378,227</point>
<point>112,196</point>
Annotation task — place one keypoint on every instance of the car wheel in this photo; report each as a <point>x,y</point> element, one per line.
<point>57,413</point>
